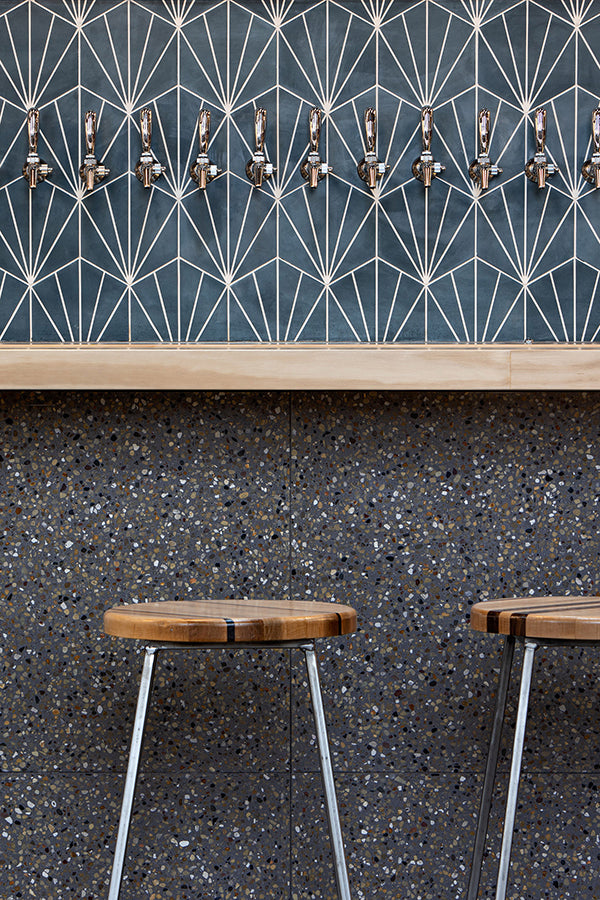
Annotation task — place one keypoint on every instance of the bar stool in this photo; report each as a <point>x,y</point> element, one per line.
<point>219,624</point>
<point>535,622</point>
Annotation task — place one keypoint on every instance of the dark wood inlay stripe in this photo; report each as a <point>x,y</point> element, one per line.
<point>230,631</point>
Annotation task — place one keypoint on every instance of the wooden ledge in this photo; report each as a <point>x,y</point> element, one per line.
<point>497,367</point>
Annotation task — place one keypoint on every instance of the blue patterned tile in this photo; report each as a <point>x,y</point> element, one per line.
<point>588,302</point>
<point>253,306</point>
<point>550,314</point>
<point>203,304</point>
<point>451,306</point>
<point>105,307</point>
<point>302,305</point>
<point>14,309</point>
<point>154,317</point>
<point>401,306</point>
<point>55,306</point>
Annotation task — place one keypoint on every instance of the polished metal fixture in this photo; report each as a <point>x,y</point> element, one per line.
<point>370,168</point>
<point>591,167</point>
<point>482,169</point>
<point>538,168</point>
<point>313,168</point>
<point>34,169</point>
<point>258,168</point>
<point>203,170</point>
<point>147,169</point>
<point>91,171</point>
<point>425,168</point>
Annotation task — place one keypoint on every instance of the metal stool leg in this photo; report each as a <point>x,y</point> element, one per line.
<point>490,769</point>
<point>515,770</point>
<point>132,769</point>
<point>341,873</point>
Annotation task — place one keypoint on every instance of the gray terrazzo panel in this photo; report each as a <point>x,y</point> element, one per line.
<point>133,498</point>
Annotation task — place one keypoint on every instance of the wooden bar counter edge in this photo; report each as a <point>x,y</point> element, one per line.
<point>167,366</point>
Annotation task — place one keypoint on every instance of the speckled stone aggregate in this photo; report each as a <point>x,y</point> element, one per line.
<point>409,507</point>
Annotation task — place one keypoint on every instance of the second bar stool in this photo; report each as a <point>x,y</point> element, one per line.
<point>230,624</point>
<point>535,622</point>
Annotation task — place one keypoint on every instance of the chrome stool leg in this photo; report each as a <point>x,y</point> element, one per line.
<point>490,769</point>
<point>341,873</point>
<point>132,769</point>
<point>515,769</point>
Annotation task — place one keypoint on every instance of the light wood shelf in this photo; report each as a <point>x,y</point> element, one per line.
<point>300,366</point>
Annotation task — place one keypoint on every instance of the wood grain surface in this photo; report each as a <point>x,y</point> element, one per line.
<point>562,618</point>
<point>229,621</point>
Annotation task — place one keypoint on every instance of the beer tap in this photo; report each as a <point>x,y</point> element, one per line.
<point>370,168</point>
<point>482,169</point>
<point>313,169</point>
<point>591,167</point>
<point>538,168</point>
<point>259,168</point>
<point>203,170</point>
<point>425,168</point>
<point>147,168</point>
<point>91,171</point>
<point>34,169</point>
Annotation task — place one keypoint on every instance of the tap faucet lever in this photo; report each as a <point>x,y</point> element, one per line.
<point>425,168</point>
<point>482,168</point>
<point>34,169</point>
<point>91,171</point>
<point>370,168</point>
<point>591,167</point>
<point>312,168</point>
<point>147,168</point>
<point>538,168</point>
<point>259,168</point>
<point>203,170</point>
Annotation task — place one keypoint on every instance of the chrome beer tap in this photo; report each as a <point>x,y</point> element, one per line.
<point>482,169</point>
<point>203,170</point>
<point>91,171</point>
<point>34,169</point>
<point>425,168</point>
<point>259,168</point>
<point>538,168</point>
<point>147,169</point>
<point>591,167</point>
<point>313,169</point>
<point>370,168</point>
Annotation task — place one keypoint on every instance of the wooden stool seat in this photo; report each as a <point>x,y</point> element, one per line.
<point>545,618</point>
<point>229,621</point>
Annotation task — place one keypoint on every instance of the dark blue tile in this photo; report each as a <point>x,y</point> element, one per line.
<point>352,306</point>
<point>588,302</point>
<point>203,305</point>
<point>550,306</point>
<point>500,306</point>
<point>352,65</point>
<point>14,309</point>
<point>14,238</point>
<point>154,306</point>
<point>451,229</point>
<point>253,306</point>
<point>104,306</point>
<point>401,306</point>
<point>401,229</point>
<point>104,56</point>
<point>302,306</point>
<point>153,55</point>
<point>500,232</point>
<point>549,228</point>
<point>587,230</point>
<point>55,306</point>
<point>451,306</point>
<point>251,56</point>
<point>303,230</point>
<point>203,230</point>
<point>153,229</point>
<point>303,54</point>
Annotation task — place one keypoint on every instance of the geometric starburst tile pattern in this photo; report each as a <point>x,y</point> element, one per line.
<point>283,262</point>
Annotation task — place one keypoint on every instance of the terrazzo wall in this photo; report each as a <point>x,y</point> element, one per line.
<point>284,262</point>
<point>408,506</point>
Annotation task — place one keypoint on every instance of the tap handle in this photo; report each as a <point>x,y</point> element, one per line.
<point>540,129</point>
<point>314,125</point>
<point>371,128</point>
<point>427,127</point>
<point>33,125</point>
<point>204,130</point>
<point>596,129</point>
<point>260,127</point>
<point>90,132</point>
<point>146,129</point>
<point>484,130</point>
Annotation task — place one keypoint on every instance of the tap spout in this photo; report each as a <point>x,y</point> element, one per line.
<point>591,167</point>
<point>91,171</point>
<point>312,168</point>
<point>259,168</point>
<point>35,169</point>
<point>425,168</point>
<point>203,170</point>
<point>539,168</point>
<point>371,169</point>
<point>482,168</point>
<point>147,168</point>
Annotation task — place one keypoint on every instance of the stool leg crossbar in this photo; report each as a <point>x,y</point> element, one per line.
<point>515,769</point>
<point>341,873</point>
